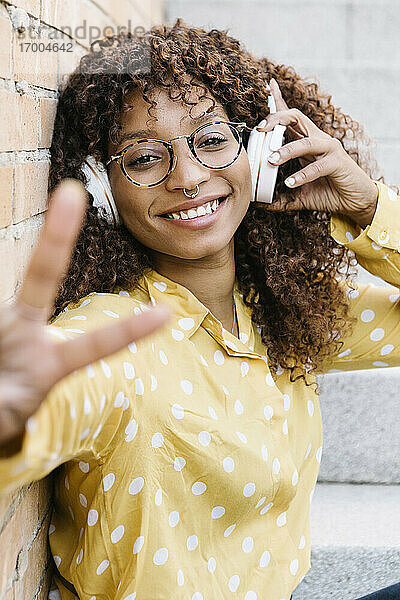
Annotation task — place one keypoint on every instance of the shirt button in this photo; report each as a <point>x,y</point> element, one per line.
<point>383,237</point>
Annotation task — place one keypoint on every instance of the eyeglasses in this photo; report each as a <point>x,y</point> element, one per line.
<point>148,162</point>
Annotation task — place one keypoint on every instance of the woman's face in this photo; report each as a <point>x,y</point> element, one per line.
<point>141,208</point>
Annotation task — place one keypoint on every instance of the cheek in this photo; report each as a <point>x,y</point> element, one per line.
<point>245,165</point>
<point>242,169</point>
<point>131,204</point>
<point>243,175</point>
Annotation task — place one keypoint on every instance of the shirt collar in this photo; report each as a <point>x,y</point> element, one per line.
<point>188,313</point>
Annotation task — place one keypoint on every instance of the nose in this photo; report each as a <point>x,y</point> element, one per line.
<point>186,172</point>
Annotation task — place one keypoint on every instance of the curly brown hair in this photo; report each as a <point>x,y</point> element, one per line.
<point>287,264</point>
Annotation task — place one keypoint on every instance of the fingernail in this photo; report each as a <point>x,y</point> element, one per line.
<point>290,181</point>
<point>274,157</point>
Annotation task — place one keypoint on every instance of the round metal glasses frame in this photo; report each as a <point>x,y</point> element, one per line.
<point>239,127</point>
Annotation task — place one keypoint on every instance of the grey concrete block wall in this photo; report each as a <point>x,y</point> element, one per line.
<point>355,538</point>
<point>361,414</point>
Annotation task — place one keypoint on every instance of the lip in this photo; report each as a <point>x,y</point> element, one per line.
<point>193,203</point>
<point>199,222</point>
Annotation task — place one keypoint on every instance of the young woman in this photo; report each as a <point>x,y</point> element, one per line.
<point>184,463</point>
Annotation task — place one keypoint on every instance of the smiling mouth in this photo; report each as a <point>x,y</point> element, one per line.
<point>209,207</point>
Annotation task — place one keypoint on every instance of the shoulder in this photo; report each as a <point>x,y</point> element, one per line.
<point>99,310</point>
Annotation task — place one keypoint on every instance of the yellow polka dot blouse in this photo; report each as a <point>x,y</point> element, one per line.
<point>183,469</point>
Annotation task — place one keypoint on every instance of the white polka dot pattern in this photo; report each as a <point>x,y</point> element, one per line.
<point>102,567</point>
<point>249,489</point>
<point>192,542</point>
<point>117,534</point>
<point>108,481</point>
<point>367,315</point>
<point>199,488</point>
<point>93,516</point>
<point>161,556</point>
<point>377,334</point>
<point>211,565</point>
<point>265,559</point>
<point>180,579</point>
<point>136,485</point>
<point>173,518</point>
<point>234,582</point>
<point>57,560</point>
<point>187,436</point>
<point>294,566</point>
<point>138,545</point>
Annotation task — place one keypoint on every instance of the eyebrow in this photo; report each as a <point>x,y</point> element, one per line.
<point>153,133</point>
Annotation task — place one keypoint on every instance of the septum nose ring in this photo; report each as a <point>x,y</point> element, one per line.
<point>191,195</point>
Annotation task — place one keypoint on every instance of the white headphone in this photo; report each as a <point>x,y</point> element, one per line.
<point>99,186</point>
<point>260,146</point>
<point>263,174</point>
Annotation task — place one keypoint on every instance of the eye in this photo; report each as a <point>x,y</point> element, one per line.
<point>212,140</point>
<point>143,160</point>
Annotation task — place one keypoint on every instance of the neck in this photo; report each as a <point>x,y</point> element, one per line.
<point>210,279</point>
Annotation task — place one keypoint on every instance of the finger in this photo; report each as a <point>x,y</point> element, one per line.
<point>52,254</point>
<point>294,118</point>
<point>97,344</point>
<point>290,134</point>
<point>320,168</point>
<point>293,134</point>
<point>305,147</point>
<point>276,92</point>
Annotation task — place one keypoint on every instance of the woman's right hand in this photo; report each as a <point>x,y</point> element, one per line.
<point>30,362</point>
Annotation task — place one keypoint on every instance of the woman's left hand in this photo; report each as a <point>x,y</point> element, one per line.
<point>330,180</point>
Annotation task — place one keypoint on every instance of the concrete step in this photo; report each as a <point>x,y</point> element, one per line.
<point>355,538</point>
<point>361,420</point>
<point>361,423</point>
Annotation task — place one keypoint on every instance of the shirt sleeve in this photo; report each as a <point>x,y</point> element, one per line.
<point>376,247</point>
<point>74,421</point>
<point>375,340</point>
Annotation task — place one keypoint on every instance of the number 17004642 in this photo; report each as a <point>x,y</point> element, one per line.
<point>42,47</point>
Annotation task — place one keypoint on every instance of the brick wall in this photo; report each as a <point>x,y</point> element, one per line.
<point>29,82</point>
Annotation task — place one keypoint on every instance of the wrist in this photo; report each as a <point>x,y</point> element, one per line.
<point>364,217</point>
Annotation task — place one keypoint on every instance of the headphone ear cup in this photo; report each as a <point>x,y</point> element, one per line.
<point>98,185</point>
<point>259,148</point>
<point>255,147</point>
<point>263,174</point>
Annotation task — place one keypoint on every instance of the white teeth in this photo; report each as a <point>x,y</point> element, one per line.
<point>201,211</point>
<point>192,213</point>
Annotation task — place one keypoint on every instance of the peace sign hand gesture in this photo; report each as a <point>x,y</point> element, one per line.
<point>30,362</point>
<point>330,180</point>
